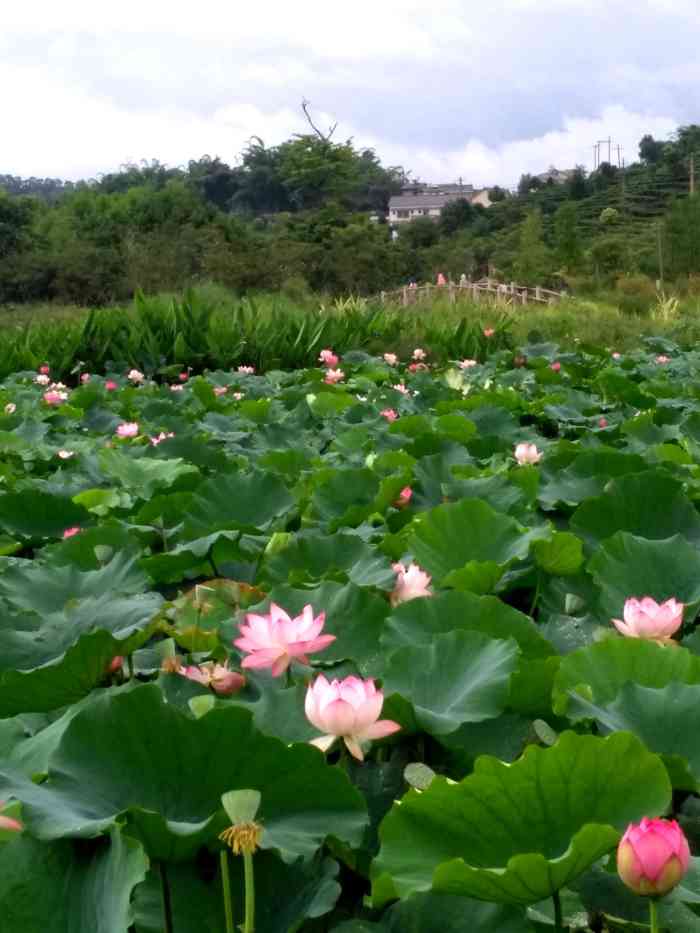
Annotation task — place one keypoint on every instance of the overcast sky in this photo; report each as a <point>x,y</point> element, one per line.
<point>482,89</point>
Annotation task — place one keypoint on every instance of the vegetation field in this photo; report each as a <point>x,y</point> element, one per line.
<point>324,629</point>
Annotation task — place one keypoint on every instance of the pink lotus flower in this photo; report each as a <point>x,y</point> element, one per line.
<point>653,856</point>
<point>400,387</point>
<point>217,676</point>
<point>183,377</point>
<point>645,618</point>
<point>333,376</point>
<point>65,454</point>
<point>220,390</point>
<point>527,453</point>
<point>328,358</point>
<point>54,397</point>
<point>115,664</point>
<point>238,396</point>
<point>10,408</point>
<point>347,709</point>
<point>159,438</point>
<point>9,823</point>
<point>42,379</point>
<point>467,364</point>
<point>70,532</point>
<point>85,378</point>
<point>662,358</point>
<point>411,583</point>
<point>135,376</point>
<point>555,366</point>
<point>127,429</point>
<point>111,385</point>
<point>616,355</point>
<point>418,367</point>
<point>45,370</point>
<point>404,498</point>
<point>390,414</point>
<point>176,387</point>
<point>419,354</point>
<point>246,370</point>
<point>602,422</point>
<point>275,640</point>
<point>489,332</point>
<point>391,359</point>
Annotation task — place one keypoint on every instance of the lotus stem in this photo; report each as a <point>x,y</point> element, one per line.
<point>165,896</point>
<point>249,920</point>
<point>654,915</point>
<point>558,915</point>
<point>226,888</point>
<point>536,596</point>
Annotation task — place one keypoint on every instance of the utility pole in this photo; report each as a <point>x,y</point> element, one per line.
<point>595,157</point>
<point>619,150</point>
<point>624,189</point>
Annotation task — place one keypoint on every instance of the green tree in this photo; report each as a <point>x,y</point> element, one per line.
<point>567,243</point>
<point>651,151</point>
<point>683,236</point>
<point>533,261</point>
<point>456,215</point>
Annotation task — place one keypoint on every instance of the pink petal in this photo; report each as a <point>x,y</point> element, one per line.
<point>381,729</point>
<point>339,717</point>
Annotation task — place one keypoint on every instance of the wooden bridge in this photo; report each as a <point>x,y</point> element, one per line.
<point>483,290</point>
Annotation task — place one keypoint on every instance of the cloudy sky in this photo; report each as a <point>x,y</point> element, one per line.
<point>482,89</point>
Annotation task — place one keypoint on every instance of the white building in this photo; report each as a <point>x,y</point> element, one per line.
<point>429,201</point>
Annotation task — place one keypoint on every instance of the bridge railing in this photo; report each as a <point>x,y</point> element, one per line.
<point>484,289</point>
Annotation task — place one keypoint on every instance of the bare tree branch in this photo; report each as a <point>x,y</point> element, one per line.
<point>326,137</point>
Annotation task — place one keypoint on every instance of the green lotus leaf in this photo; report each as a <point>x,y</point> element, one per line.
<point>38,514</point>
<point>586,475</point>
<point>561,556</point>
<point>133,758</point>
<point>516,833</point>
<point>242,501</point>
<point>310,556</point>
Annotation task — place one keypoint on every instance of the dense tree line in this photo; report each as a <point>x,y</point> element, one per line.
<point>308,214</point>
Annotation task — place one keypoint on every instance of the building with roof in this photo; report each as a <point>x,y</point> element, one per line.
<point>429,201</point>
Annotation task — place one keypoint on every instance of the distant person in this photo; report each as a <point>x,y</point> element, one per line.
<point>412,284</point>
<point>463,281</point>
<point>441,280</point>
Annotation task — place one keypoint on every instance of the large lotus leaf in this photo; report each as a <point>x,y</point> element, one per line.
<point>460,677</point>
<point>309,556</point>
<point>49,665</point>
<point>143,476</point>
<point>449,536</point>
<point>69,887</point>
<point>38,514</point>
<point>241,501</point>
<point>353,614</point>
<point>667,720</point>
<point>598,671</point>
<point>626,565</point>
<point>285,895</point>
<point>345,496</point>
<point>650,505</point>
<point>133,758</point>
<point>443,913</point>
<point>418,621</point>
<point>586,476</point>
<point>516,833</point>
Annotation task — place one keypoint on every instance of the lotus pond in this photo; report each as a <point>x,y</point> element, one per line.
<point>334,650</point>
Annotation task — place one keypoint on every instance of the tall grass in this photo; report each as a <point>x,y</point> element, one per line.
<point>209,327</point>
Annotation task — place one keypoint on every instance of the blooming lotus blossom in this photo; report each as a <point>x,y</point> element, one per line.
<point>275,640</point>
<point>135,376</point>
<point>175,387</point>
<point>404,498</point>
<point>217,676</point>
<point>115,664</point>
<point>10,408</point>
<point>616,355</point>
<point>71,532</point>
<point>65,454</point>
<point>85,378</point>
<point>328,358</point>
<point>527,453</point>
<point>662,358</point>
<point>183,377</point>
<point>391,359</point>
<point>400,387</point>
<point>347,709</point>
<point>411,583</point>
<point>42,379</point>
<point>645,618</point>
<point>602,422</point>
<point>418,367</point>
<point>45,369</point>
<point>9,823</point>
<point>220,390</point>
<point>419,354</point>
<point>334,375</point>
<point>489,332</point>
<point>390,414</point>
<point>653,856</point>
<point>58,385</point>
<point>246,370</point>
<point>555,366</point>
<point>159,438</point>
<point>467,364</point>
<point>127,429</point>
<point>54,397</point>
<point>238,396</point>
<point>111,385</point>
